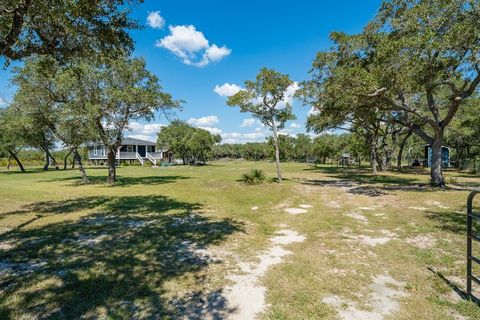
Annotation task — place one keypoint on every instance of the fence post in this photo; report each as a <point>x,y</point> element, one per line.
<point>470,258</point>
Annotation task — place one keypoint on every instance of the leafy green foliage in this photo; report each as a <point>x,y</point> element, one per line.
<point>64,28</point>
<point>254,176</point>
<point>187,142</point>
<point>416,64</point>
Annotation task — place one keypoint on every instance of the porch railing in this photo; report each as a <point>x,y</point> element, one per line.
<point>152,159</point>
<point>139,158</point>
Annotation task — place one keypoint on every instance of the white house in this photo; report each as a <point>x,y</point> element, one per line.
<point>131,150</point>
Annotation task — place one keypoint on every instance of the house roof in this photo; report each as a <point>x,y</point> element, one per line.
<point>129,140</point>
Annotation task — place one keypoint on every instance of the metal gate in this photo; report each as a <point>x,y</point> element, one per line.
<point>471,236</point>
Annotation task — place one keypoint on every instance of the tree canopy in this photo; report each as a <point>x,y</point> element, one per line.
<point>64,28</point>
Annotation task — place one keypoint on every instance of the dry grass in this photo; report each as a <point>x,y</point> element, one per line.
<point>163,242</point>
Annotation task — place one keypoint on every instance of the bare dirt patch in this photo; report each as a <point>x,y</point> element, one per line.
<point>422,241</point>
<point>371,240</point>
<point>295,210</point>
<point>357,216</point>
<point>305,206</point>
<point>418,208</point>
<point>436,204</point>
<point>16,269</point>
<point>382,300</point>
<point>247,296</point>
<point>333,204</point>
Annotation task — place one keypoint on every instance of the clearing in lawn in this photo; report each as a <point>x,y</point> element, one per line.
<point>195,243</point>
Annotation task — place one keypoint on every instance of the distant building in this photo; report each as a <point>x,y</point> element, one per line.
<point>131,150</point>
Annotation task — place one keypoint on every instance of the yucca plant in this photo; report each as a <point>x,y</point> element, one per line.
<point>255,176</point>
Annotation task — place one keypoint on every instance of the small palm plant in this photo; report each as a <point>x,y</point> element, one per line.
<point>255,176</point>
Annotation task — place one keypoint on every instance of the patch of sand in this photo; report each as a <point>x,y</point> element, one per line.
<point>91,241</point>
<point>382,300</point>
<point>366,208</point>
<point>7,245</point>
<point>247,296</point>
<point>357,216</point>
<point>333,204</point>
<point>295,210</point>
<point>305,206</point>
<point>371,241</point>
<point>17,269</point>
<point>422,241</point>
<point>418,208</point>
<point>254,208</point>
<point>437,204</point>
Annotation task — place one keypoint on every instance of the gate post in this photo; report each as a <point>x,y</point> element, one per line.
<point>470,236</point>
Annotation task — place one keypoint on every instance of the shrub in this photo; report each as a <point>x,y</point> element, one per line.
<point>255,176</point>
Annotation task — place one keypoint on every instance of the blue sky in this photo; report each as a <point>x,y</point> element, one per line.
<point>194,46</point>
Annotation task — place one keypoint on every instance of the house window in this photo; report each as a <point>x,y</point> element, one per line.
<point>150,148</point>
<point>104,151</point>
<point>129,148</point>
<point>94,151</point>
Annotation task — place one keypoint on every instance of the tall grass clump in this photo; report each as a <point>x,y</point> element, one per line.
<point>254,176</point>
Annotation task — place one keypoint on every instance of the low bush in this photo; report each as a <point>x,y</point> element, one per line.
<point>255,176</point>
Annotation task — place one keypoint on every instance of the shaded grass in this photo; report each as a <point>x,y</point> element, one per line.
<point>143,247</point>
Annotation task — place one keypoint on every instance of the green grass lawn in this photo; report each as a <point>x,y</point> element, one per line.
<point>165,243</point>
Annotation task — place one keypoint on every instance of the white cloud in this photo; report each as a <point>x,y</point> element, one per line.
<point>248,122</point>
<point>207,121</point>
<point>289,94</point>
<point>226,89</point>
<point>313,111</point>
<point>212,130</point>
<point>214,54</point>
<point>143,131</point>
<point>294,125</point>
<point>155,20</point>
<point>2,101</point>
<point>187,43</point>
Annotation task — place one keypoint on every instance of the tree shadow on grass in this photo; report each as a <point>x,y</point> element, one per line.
<point>358,181</point>
<point>15,171</point>
<point>451,221</point>
<point>113,263</point>
<point>123,181</point>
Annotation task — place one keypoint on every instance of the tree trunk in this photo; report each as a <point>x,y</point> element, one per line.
<point>66,159</point>
<point>277,152</point>
<point>436,173</point>
<point>47,160</point>
<point>9,162</point>
<point>78,159</point>
<point>381,162</point>
<point>400,150</point>
<point>373,156</point>
<point>112,171</point>
<point>48,157</point>
<point>54,162</point>
<point>14,156</point>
